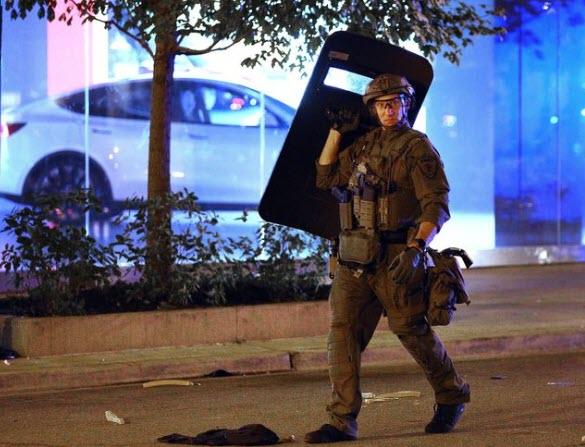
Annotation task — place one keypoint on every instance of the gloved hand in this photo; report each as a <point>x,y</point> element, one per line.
<point>405,265</point>
<point>343,120</point>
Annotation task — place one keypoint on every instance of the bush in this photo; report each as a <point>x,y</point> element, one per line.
<point>56,260</point>
<point>65,271</point>
<point>281,264</point>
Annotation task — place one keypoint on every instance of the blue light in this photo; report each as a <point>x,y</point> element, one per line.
<point>583,112</point>
<point>554,119</point>
<point>449,120</point>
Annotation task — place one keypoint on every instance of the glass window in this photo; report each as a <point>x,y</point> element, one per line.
<point>346,80</point>
<point>188,104</point>
<point>509,122</point>
<point>74,103</point>
<point>129,100</point>
<point>136,99</point>
<point>229,107</point>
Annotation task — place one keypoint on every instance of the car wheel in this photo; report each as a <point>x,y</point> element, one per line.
<point>63,174</point>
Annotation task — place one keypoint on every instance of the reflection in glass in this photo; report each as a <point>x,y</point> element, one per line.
<point>509,124</point>
<point>346,80</point>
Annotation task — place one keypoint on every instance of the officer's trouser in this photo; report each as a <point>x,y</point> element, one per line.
<point>356,305</point>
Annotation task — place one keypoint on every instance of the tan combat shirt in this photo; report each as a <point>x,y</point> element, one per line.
<point>409,164</point>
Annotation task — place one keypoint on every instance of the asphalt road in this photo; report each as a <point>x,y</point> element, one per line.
<point>521,401</point>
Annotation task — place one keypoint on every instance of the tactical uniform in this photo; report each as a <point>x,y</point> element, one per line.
<point>410,187</point>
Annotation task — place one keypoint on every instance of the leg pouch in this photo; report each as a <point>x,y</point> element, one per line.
<point>405,304</point>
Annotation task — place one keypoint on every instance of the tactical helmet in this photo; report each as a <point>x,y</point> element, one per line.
<point>387,84</point>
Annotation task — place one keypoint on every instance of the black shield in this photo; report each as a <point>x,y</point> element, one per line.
<point>291,197</point>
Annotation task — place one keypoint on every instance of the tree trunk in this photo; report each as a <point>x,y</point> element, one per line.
<point>159,256</point>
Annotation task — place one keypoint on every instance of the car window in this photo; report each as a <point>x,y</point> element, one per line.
<point>73,103</point>
<point>187,104</point>
<point>130,100</point>
<point>227,106</point>
<point>191,103</point>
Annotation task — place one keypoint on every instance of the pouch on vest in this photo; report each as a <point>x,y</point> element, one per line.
<point>344,198</point>
<point>367,214</point>
<point>445,285</point>
<point>359,248</point>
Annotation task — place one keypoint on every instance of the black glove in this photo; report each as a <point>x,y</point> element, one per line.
<point>405,265</point>
<point>343,120</point>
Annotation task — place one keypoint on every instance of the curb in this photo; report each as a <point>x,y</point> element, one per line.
<point>488,347</point>
<point>38,337</point>
<point>78,371</point>
<point>83,376</point>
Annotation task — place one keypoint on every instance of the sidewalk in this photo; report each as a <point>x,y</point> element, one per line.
<point>514,310</point>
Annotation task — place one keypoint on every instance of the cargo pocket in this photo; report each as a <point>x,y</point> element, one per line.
<point>442,299</point>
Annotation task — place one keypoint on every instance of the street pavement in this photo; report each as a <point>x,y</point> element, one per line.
<point>519,401</point>
<point>514,310</point>
<point>520,344</point>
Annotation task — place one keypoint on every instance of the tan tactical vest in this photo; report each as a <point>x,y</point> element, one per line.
<point>375,203</point>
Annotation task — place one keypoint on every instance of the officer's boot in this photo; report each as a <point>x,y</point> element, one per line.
<point>328,433</point>
<point>445,418</point>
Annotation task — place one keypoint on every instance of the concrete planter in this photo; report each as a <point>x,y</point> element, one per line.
<point>47,336</point>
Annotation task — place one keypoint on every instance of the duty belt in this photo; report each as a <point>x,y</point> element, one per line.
<point>394,237</point>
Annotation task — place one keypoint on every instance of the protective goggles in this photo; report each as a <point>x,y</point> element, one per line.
<point>391,103</point>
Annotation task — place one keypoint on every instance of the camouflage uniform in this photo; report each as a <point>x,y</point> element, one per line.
<point>406,161</point>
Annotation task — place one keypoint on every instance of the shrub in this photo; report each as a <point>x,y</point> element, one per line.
<point>195,245</point>
<point>54,259</point>
<point>279,264</point>
<point>65,271</point>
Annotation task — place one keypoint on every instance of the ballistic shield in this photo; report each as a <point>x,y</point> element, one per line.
<point>346,64</point>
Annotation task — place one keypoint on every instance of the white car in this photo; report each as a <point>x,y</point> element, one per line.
<point>218,149</point>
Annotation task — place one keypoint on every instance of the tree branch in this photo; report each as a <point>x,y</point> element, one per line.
<point>140,41</point>
<point>90,16</point>
<point>209,49</point>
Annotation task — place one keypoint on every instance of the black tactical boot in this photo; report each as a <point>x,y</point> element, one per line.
<point>328,433</point>
<point>445,418</point>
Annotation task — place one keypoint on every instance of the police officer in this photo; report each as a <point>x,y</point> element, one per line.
<point>399,202</point>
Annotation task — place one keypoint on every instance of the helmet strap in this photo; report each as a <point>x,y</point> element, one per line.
<point>406,101</point>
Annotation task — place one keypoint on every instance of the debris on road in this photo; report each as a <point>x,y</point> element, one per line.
<point>220,373</point>
<point>167,382</point>
<point>385,397</point>
<point>252,434</point>
<point>111,417</point>
<point>565,383</point>
<point>497,377</point>
<point>8,354</point>
<point>291,438</point>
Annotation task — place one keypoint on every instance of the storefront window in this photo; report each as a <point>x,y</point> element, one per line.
<point>509,123</point>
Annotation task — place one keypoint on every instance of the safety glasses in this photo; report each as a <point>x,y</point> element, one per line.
<point>391,103</point>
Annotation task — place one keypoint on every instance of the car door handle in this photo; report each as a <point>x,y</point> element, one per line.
<point>102,131</point>
<point>195,136</point>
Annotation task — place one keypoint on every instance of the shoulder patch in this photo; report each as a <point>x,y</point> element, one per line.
<point>428,166</point>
